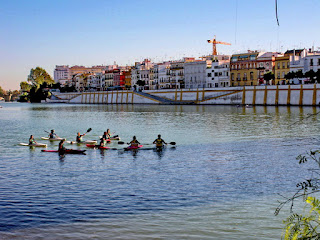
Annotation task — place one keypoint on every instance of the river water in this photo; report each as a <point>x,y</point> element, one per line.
<point>221,181</point>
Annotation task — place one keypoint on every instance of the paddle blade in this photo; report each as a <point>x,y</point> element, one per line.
<point>172,143</point>
<point>120,142</point>
<point>89,130</point>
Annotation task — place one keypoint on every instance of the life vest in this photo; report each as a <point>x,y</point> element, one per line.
<point>159,142</point>
<point>79,139</point>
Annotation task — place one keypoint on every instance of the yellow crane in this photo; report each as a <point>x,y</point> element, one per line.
<point>214,43</point>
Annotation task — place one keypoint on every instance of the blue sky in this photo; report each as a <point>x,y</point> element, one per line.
<point>81,32</point>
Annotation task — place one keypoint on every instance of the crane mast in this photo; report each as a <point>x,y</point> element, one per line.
<point>214,45</point>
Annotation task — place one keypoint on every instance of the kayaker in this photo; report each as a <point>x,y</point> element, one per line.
<point>61,148</point>
<point>53,134</point>
<point>106,135</point>
<point>79,137</point>
<point>134,142</point>
<point>103,142</point>
<point>32,141</point>
<point>159,142</point>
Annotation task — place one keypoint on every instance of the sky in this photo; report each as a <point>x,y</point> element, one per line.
<point>47,33</point>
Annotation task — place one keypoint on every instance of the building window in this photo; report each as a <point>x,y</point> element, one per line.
<point>318,61</point>
<point>245,76</point>
<point>232,76</point>
<point>278,65</point>
<point>283,65</point>
<point>278,75</point>
<point>251,75</point>
<point>209,74</point>
<point>238,76</point>
<point>288,64</point>
<point>311,62</point>
<point>283,74</point>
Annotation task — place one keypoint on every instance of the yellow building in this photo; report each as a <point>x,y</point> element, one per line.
<point>127,78</point>
<point>243,69</point>
<point>281,68</point>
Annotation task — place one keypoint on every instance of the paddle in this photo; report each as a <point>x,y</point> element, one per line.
<point>89,130</point>
<point>170,143</point>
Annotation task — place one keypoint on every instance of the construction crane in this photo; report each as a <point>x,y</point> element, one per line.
<point>214,43</point>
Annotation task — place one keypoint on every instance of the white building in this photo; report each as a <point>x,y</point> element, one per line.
<point>312,62</point>
<point>107,79</point>
<point>177,75</point>
<point>195,73</point>
<point>218,74</point>
<point>153,77</point>
<point>95,82</point>
<point>164,75</point>
<point>61,74</point>
<point>135,74</point>
<point>297,59</point>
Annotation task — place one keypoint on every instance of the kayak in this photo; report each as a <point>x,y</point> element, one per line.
<point>96,146</point>
<point>84,142</point>
<point>34,145</point>
<point>132,148</point>
<point>52,139</point>
<point>69,151</point>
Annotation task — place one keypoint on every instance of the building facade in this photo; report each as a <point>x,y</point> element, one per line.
<point>218,74</point>
<point>177,75</point>
<point>61,74</point>
<point>243,69</point>
<point>195,73</point>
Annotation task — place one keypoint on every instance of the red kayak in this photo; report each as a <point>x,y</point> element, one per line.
<point>96,146</point>
<point>131,147</point>
<point>69,151</point>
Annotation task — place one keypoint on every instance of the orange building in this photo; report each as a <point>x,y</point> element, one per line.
<point>127,78</point>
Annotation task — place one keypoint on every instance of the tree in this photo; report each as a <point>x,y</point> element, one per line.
<point>310,74</point>
<point>25,86</point>
<point>317,75</point>
<point>305,226</point>
<point>299,74</point>
<point>2,92</point>
<point>141,83</point>
<point>290,75</point>
<point>268,76</point>
<point>38,76</point>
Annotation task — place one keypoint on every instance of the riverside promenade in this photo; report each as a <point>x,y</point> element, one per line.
<point>283,95</point>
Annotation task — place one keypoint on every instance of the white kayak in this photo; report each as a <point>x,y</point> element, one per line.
<point>52,139</point>
<point>34,145</point>
<point>84,142</point>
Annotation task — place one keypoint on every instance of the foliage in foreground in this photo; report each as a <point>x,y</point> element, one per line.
<point>305,226</point>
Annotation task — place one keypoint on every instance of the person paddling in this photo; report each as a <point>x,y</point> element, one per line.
<point>32,141</point>
<point>61,148</point>
<point>103,142</point>
<point>159,142</point>
<point>79,137</point>
<point>53,134</point>
<point>134,143</point>
<point>106,135</point>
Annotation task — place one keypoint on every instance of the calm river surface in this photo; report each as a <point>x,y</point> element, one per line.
<point>220,182</point>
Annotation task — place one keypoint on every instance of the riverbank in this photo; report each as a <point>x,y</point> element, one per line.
<point>282,95</point>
